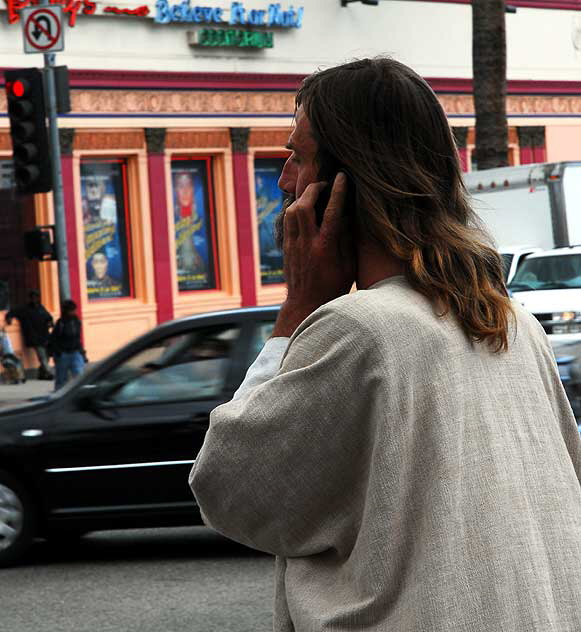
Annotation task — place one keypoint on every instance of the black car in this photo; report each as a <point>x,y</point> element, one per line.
<point>114,448</point>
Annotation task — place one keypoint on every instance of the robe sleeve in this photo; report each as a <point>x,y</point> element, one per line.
<point>265,367</point>
<point>281,469</point>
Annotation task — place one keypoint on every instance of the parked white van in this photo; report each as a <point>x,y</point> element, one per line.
<point>548,284</point>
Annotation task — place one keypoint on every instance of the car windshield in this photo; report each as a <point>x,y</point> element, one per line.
<point>506,262</point>
<point>548,273</point>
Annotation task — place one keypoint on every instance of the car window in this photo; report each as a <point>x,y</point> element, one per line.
<point>551,272</point>
<point>185,367</point>
<point>522,259</point>
<point>506,263</point>
<point>262,333</point>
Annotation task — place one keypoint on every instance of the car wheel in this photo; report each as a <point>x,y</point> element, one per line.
<point>16,520</point>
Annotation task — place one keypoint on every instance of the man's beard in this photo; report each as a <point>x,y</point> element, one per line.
<point>279,222</point>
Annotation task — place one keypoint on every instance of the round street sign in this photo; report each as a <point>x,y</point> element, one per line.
<point>43,29</point>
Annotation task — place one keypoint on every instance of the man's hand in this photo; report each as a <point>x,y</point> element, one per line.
<point>319,264</point>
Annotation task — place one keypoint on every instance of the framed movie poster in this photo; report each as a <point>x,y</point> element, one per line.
<point>269,199</point>
<point>194,224</point>
<point>106,228</point>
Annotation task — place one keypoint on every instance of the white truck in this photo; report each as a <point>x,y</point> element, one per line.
<point>540,205</point>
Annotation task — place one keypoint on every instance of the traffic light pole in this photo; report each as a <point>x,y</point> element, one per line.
<point>57,178</point>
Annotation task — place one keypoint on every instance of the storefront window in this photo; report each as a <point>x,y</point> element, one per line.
<point>106,228</point>
<point>269,200</point>
<point>195,225</point>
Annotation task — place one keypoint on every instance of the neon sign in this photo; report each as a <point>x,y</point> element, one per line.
<point>274,15</point>
<point>140,11</point>
<point>74,8</point>
<point>238,38</point>
<point>166,13</point>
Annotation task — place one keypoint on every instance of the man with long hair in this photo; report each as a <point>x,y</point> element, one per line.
<point>406,450</point>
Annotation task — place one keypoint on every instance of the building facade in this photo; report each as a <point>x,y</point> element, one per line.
<point>180,114</point>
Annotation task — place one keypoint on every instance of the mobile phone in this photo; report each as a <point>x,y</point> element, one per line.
<point>329,175</point>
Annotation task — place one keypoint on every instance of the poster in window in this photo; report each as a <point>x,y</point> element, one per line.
<point>269,199</point>
<point>195,237</point>
<point>103,194</point>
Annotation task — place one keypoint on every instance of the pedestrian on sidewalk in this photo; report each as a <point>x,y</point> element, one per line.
<point>66,345</point>
<point>13,370</point>
<point>406,450</point>
<point>35,324</point>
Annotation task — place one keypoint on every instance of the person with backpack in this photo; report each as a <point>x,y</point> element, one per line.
<point>66,345</point>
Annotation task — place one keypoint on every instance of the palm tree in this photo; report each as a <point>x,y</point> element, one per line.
<point>489,71</point>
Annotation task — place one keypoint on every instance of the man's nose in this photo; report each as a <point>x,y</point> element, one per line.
<point>288,178</point>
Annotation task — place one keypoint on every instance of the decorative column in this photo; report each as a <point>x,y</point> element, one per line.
<point>155,140</point>
<point>247,265</point>
<point>532,145</point>
<point>461,135</point>
<point>67,138</point>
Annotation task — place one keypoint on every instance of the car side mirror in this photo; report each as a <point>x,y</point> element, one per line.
<point>93,398</point>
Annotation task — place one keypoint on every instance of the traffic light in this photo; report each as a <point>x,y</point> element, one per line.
<point>25,95</point>
<point>38,244</point>
<point>63,91</point>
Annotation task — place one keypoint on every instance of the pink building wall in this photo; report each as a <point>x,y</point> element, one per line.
<point>563,142</point>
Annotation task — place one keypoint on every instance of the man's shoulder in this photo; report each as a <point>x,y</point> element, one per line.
<point>387,308</point>
<point>391,299</point>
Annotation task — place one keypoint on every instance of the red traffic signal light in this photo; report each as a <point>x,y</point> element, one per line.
<point>25,95</point>
<point>19,88</point>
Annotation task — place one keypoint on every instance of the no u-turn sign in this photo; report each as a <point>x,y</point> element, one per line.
<point>42,29</point>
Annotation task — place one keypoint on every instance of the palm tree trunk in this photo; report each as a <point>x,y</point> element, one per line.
<point>489,71</point>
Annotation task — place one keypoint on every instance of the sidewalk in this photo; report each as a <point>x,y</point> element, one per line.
<point>14,393</point>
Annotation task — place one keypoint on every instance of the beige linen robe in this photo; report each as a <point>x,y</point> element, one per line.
<point>406,479</point>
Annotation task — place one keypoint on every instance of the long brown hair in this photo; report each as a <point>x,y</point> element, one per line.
<point>385,125</point>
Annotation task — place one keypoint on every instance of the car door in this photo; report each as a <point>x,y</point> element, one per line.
<point>131,451</point>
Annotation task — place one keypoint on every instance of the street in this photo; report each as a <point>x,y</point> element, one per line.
<point>159,580</point>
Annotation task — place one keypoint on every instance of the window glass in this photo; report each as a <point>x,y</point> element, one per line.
<point>106,228</point>
<point>185,367</point>
<point>262,333</point>
<point>194,224</point>
<point>506,263</point>
<point>269,199</point>
<point>548,273</point>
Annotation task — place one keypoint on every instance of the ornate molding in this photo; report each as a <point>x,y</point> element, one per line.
<point>109,140</point>
<point>516,104</point>
<point>186,102</point>
<point>155,139</point>
<point>235,102</point>
<point>66,140</point>
<point>177,139</point>
<point>239,137</point>
<point>244,102</point>
<point>268,137</point>
<point>531,136</point>
<point>460,136</point>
